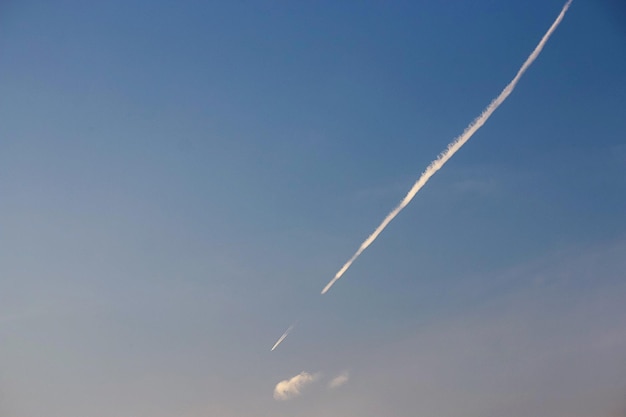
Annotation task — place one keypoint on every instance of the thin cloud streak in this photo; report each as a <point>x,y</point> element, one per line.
<point>452,148</point>
<point>280,339</point>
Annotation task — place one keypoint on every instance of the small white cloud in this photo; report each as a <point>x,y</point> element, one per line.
<point>290,388</point>
<point>339,380</point>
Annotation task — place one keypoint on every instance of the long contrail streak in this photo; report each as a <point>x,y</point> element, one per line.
<point>452,148</point>
<point>280,339</point>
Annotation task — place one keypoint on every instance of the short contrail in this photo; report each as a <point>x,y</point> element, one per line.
<point>454,146</point>
<point>280,340</point>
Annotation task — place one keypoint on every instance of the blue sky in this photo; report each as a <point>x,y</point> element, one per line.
<point>179,181</point>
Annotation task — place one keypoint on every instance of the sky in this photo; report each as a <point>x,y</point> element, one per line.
<point>179,180</point>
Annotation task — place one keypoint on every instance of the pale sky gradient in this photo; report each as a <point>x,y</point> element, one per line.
<point>179,180</point>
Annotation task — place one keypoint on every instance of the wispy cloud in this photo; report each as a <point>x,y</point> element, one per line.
<point>339,380</point>
<point>452,148</point>
<point>290,388</point>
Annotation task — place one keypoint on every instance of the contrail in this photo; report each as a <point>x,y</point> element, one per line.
<point>280,340</point>
<point>452,148</point>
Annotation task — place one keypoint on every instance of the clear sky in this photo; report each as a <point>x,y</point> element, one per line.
<point>179,180</point>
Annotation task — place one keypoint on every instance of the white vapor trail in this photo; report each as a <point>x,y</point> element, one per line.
<point>280,339</point>
<point>452,148</point>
